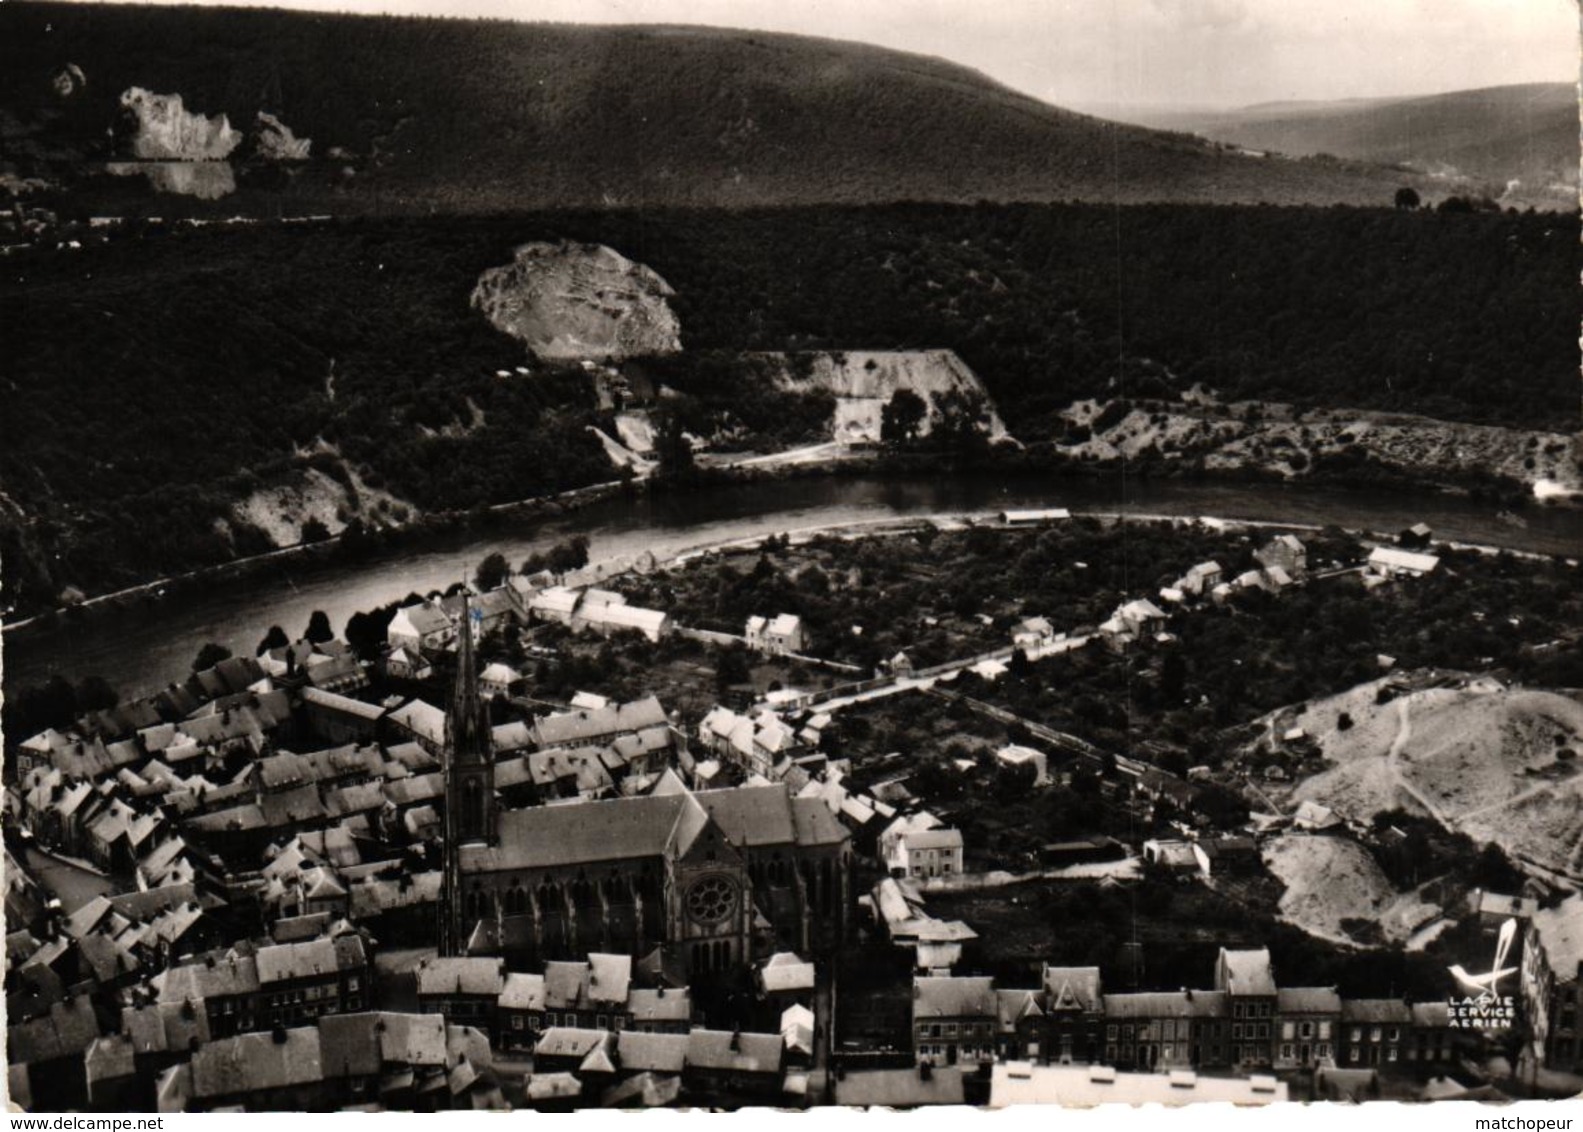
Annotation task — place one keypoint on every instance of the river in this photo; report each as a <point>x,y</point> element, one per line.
<point>143,648</point>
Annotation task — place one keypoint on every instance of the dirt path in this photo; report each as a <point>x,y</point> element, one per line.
<point>1404,734</point>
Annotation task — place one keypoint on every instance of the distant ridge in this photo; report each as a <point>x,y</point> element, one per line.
<point>411,114</point>
<point>1491,137</point>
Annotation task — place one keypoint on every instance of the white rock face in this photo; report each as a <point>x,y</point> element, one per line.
<point>166,131</point>
<point>571,302</point>
<point>276,142</point>
<point>864,381</point>
<point>69,80</point>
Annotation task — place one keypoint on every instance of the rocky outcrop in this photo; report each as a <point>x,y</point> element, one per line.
<point>69,80</point>
<point>274,141</point>
<point>863,382</point>
<point>164,130</point>
<point>572,302</point>
<point>206,180</point>
<point>1278,438</point>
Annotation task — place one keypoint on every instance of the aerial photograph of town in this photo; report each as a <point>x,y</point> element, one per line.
<point>618,554</point>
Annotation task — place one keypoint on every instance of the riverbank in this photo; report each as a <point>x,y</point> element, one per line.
<point>359,543</point>
<point>141,644</point>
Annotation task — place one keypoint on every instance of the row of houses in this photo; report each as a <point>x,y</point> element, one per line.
<point>1244,1022</point>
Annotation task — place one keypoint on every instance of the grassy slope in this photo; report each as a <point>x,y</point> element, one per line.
<point>1527,132</point>
<point>483,115</point>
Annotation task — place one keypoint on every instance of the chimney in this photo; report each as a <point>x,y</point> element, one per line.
<point>278,1035</point>
<point>736,1041</point>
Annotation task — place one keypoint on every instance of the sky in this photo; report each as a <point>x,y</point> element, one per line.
<point>1106,53</point>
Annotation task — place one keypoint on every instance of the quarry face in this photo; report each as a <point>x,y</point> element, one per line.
<point>571,302</point>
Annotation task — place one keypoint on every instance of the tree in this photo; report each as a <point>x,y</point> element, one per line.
<point>732,668</point>
<point>491,572</point>
<point>672,447</point>
<point>210,655</point>
<point>319,629</point>
<point>274,639</point>
<point>902,417</point>
<point>1407,197</point>
<point>95,694</point>
<point>313,530</point>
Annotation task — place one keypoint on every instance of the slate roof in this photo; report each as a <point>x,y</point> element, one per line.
<point>1247,971</point>
<point>251,1063</point>
<point>651,1053</point>
<point>954,996</point>
<point>522,992</point>
<point>66,1031</point>
<point>1069,988</point>
<point>1308,1000</point>
<point>1383,1010</point>
<point>754,1053</point>
<point>461,975</point>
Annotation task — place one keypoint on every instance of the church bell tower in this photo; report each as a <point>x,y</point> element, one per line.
<point>469,786</point>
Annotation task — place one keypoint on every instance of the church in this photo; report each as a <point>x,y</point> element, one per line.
<point>714,878</point>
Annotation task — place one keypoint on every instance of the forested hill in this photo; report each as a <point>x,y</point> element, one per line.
<point>410,114</point>
<point>151,383</point>
<point>1525,133</point>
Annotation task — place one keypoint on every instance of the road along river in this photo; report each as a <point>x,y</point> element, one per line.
<point>142,648</point>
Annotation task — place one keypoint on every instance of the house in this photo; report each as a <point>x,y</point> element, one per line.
<point>1373,1032</point>
<point>1307,1018</point>
<point>1200,580</point>
<point>1233,856</point>
<point>1150,1030</point>
<point>420,628</point>
<point>1390,562</point>
<point>599,727</point>
<point>1433,1040</point>
<point>1550,986</point>
<point>777,635</point>
<point>1033,634</point>
<point>1140,615</point>
<point>1013,755</point>
<point>1492,909</point>
<point>1311,815</point>
<point>929,853</point>
<point>496,680</point>
<point>337,719</point>
<point>222,990</point>
<point>735,1064</point>
<point>615,616</point>
<point>1249,984</point>
<point>1284,552</point>
<point>463,988</point>
<point>1418,535</point>
<point>955,1019</point>
<point>1175,857</point>
<point>558,604</point>
<point>588,995</point>
<point>1021,1083</point>
<point>403,663</point>
<point>1073,1016</point>
<point>420,721</point>
<point>784,979</point>
<point>297,982</point>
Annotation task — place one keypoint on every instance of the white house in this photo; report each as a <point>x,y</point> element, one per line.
<point>1389,561</point>
<point>1201,579</point>
<point>776,635</point>
<point>1013,755</point>
<point>421,627</point>
<point>929,853</point>
<point>1032,634</point>
<point>496,679</point>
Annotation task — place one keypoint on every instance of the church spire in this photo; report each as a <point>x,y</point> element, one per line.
<point>469,765</point>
